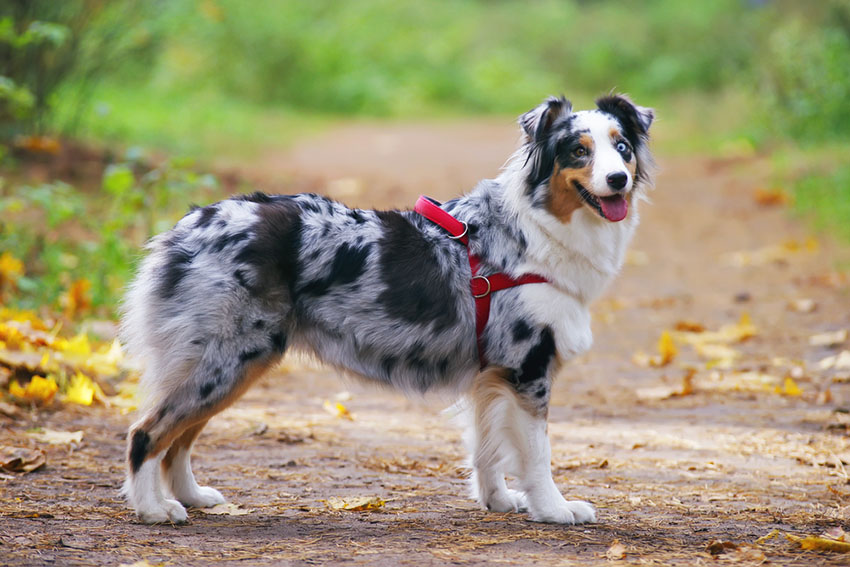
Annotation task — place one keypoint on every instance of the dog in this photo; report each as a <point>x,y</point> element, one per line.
<point>385,295</point>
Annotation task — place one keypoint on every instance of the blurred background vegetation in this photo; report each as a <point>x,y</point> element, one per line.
<point>110,82</point>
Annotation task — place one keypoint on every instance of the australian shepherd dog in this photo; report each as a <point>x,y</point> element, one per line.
<point>385,295</point>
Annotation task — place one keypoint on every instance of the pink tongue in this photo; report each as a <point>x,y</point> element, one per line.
<point>614,208</point>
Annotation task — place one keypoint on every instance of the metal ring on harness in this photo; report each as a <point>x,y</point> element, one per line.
<point>486,293</point>
<point>462,234</point>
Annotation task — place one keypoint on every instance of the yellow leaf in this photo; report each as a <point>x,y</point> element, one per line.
<point>790,388</point>
<point>337,409</point>
<point>767,537</point>
<point>358,504</point>
<point>39,389</point>
<point>666,348</point>
<point>10,268</point>
<point>82,390</point>
<point>107,359</point>
<point>820,543</point>
<point>78,345</point>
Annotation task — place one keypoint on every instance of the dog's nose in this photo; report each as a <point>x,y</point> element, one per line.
<point>617,180</point>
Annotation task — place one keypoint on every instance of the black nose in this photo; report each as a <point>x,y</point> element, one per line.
<point>617,180</point>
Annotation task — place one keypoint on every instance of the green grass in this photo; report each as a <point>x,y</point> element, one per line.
<point>195,124</point>
<point>825,199</point>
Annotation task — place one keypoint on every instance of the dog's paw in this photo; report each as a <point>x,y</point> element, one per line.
<point>168,511</point>
<point>507,501</point>
<point>563,512</point>
<point>202,497</point>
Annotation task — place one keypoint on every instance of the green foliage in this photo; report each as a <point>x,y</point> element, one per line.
<point>826,199</point>
<point>44,44</point>
<point>382,57</point>
<point>63,234</point>
<point>807,80</point>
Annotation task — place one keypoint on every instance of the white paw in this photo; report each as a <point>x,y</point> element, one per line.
<point>167,511</point>
<point>202,497</point>
<point>506,501</point>
<point>563,512</point>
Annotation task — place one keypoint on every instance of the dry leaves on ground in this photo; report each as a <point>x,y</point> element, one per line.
<point>357,504</point>
<point>41,365</point>
<point>21,459</point>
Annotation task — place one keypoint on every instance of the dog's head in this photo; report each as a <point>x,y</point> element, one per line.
<point>593,158</point>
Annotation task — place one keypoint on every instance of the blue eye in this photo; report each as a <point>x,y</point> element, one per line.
<point>622,147</point>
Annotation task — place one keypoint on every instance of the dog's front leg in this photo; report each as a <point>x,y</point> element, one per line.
<point>509,435</point>
<point>534,469</point>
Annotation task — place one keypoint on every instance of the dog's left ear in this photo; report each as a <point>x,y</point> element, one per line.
<point>635,119</point>
<point>537,124</point>
<point>537,121</point>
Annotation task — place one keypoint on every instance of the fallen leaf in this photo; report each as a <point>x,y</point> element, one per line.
<point>53,437</point>
<point>802,305</point>
<point>819,543</point>
<point>21,459</point>
<point>82,390</point>
<point>689,326</point>
<point>727,334</point>
<point>226,509</point>
<point>767,537</point>
<point>141,563</point>
<point>769,254</point>
<point>666,348</point>
<point>831,339</point>
<point>789,388</point>
<point>667,351</point>
<point>77,299</point>
<point>337,409</point>
<point>839,361</point>
<point>616,551</point>
<point>770,197</point>
<point>738,382</point>
<point>716,547</point>
<point>358,504</point>
<point>657,393</point>
<point>39,389</point>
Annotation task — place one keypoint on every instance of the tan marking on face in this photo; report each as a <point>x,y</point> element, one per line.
<point>587,141</point>
<point>564,199</point>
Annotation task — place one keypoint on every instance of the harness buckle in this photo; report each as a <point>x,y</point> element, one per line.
<point>487,292</point>
<point>462,234</point>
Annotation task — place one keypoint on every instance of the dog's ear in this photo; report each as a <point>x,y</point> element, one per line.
<point>635,119</point>
<point>537,121</point>
<point>540,148</point>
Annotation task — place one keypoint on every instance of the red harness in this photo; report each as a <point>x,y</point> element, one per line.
<point>481,286</point>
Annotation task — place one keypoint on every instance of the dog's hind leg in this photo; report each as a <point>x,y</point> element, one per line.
<point>162,438</point>
<point>177,473</point>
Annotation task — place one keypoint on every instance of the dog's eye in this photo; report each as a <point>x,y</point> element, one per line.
<point>580,151</point>
<point>622,147</point>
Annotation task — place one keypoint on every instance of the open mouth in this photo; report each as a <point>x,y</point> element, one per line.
<point>613,208</point>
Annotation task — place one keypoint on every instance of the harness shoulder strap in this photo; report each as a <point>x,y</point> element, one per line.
<point>480,286</point>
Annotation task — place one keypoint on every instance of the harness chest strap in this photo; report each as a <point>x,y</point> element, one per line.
<point>480,286</point>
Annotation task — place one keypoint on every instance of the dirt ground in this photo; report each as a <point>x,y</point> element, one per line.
<point>672,464</point>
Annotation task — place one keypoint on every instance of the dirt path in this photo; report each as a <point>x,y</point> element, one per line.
<point>730,457</point>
